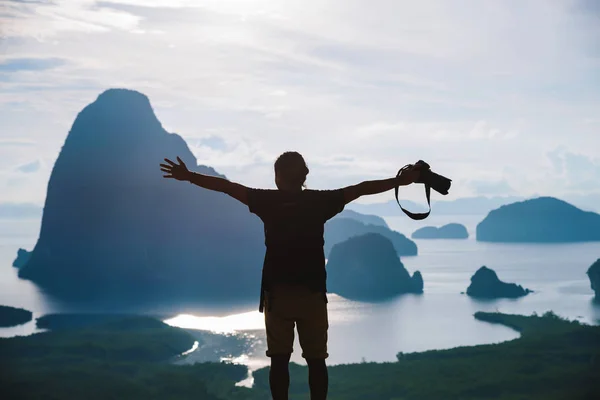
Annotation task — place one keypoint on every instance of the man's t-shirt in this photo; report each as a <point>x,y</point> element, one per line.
<point>294,224</point>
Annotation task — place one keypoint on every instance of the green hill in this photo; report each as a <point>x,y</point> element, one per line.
<point>128,358</point>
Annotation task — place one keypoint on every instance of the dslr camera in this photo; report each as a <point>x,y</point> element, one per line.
<point>431,180</point>
<point>437,182</point>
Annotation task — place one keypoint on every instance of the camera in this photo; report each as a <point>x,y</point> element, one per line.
<point>437,182</point>
<point>431,180</point>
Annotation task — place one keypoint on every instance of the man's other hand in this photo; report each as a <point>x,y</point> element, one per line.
<point>175,171</point>
<point>410,174</point>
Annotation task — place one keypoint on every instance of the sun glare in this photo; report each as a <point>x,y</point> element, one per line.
<point>252,320</point>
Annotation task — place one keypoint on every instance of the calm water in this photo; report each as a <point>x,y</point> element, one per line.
<point>441,318</point>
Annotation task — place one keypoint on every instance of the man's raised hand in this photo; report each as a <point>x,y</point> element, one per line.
<point>175,171</point>
<point>411,174</point>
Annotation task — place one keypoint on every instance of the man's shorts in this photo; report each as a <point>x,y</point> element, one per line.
<point>288,305</point>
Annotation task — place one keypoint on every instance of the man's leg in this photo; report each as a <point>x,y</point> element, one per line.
<point>318,378</point>
<point>279,377</point>
<point>279,324</point>
<point>312,332</point>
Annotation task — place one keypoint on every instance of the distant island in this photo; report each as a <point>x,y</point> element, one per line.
<point>366,219</point>
<point>22,258</point>
<point>72,321</point>
<point>11,316</point>
<point>449,231</point>
<point>114,230</point>
<point>540,220</point>
<point>479,205</point>
<point>367,267</point>
<point>594,274</point>
<point>340,229</point>
<point>485,284</point>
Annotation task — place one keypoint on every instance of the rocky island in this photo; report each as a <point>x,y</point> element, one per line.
<point>448,231</point>
<point>113,229</point>
<point>340,229</point>
<point>485,284</point>
<point>594,274</point>
<point>367,267</point>
<point>22,258</point>
<point>539,220</point>
<point>367,219</point>
<point>11,316</point>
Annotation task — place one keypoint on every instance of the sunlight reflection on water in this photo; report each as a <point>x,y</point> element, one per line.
<point>235,324</point>
<point>253,364</point>
<point>252,320</point>
<point>194,348</point>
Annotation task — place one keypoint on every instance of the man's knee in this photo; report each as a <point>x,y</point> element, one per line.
<point>280,359</point>
<point>316,363</point>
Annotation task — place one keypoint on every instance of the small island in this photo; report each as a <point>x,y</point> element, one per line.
<point>56,322</point>
<point>340,229</point>
<point>366,267</point>
<point>11,316</point>
<point>367,219</point>
<point>594,274</point>
<point>448,231</point>
<point>539,220</point>
<point>22,258</point>
<point>485,284</point>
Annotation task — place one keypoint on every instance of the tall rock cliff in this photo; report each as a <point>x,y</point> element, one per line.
<point>114,229</point>
<point>340,229</point>
<point>367,267</point>
<point>594,274</point>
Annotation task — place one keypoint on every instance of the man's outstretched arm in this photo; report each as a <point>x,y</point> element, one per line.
<point>353,192</point>
<point>181,173</point>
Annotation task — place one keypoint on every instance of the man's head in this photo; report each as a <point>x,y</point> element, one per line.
<point>290,171</point>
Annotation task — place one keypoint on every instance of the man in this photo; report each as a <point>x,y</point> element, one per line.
<point>294,278</point>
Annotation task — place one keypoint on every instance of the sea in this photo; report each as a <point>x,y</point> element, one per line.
<point>440,318</point>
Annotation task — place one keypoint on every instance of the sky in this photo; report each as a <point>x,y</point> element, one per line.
<point>503,97</point>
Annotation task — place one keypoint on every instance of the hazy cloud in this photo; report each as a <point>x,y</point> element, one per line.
<point>45,19</point>
<point>492,188</point>
<point>29,64</point>
<point>20,210</point>
<point>30,167</point>
<point>578,171</point>
<point>5,142</point>
<point>483,91</point>
<point>214,142</point>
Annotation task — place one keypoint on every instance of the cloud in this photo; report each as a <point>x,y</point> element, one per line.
<point>29,64</point>
<point>20,210</point>
<point>470,89</point>
<point>492,187</point>
<point>579,172</point>
<point>214,142</point>
<point>5,142</point>
<point>441,131</point>
<point>482,130</point>
<point>31,167</point>
<point>42,20</point>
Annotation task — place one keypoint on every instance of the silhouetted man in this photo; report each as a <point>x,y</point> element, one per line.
<point>294,279</point>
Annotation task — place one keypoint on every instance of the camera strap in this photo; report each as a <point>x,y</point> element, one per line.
<point>415,216</point>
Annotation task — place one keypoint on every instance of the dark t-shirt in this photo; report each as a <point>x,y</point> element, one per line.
<point>294,224</point>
